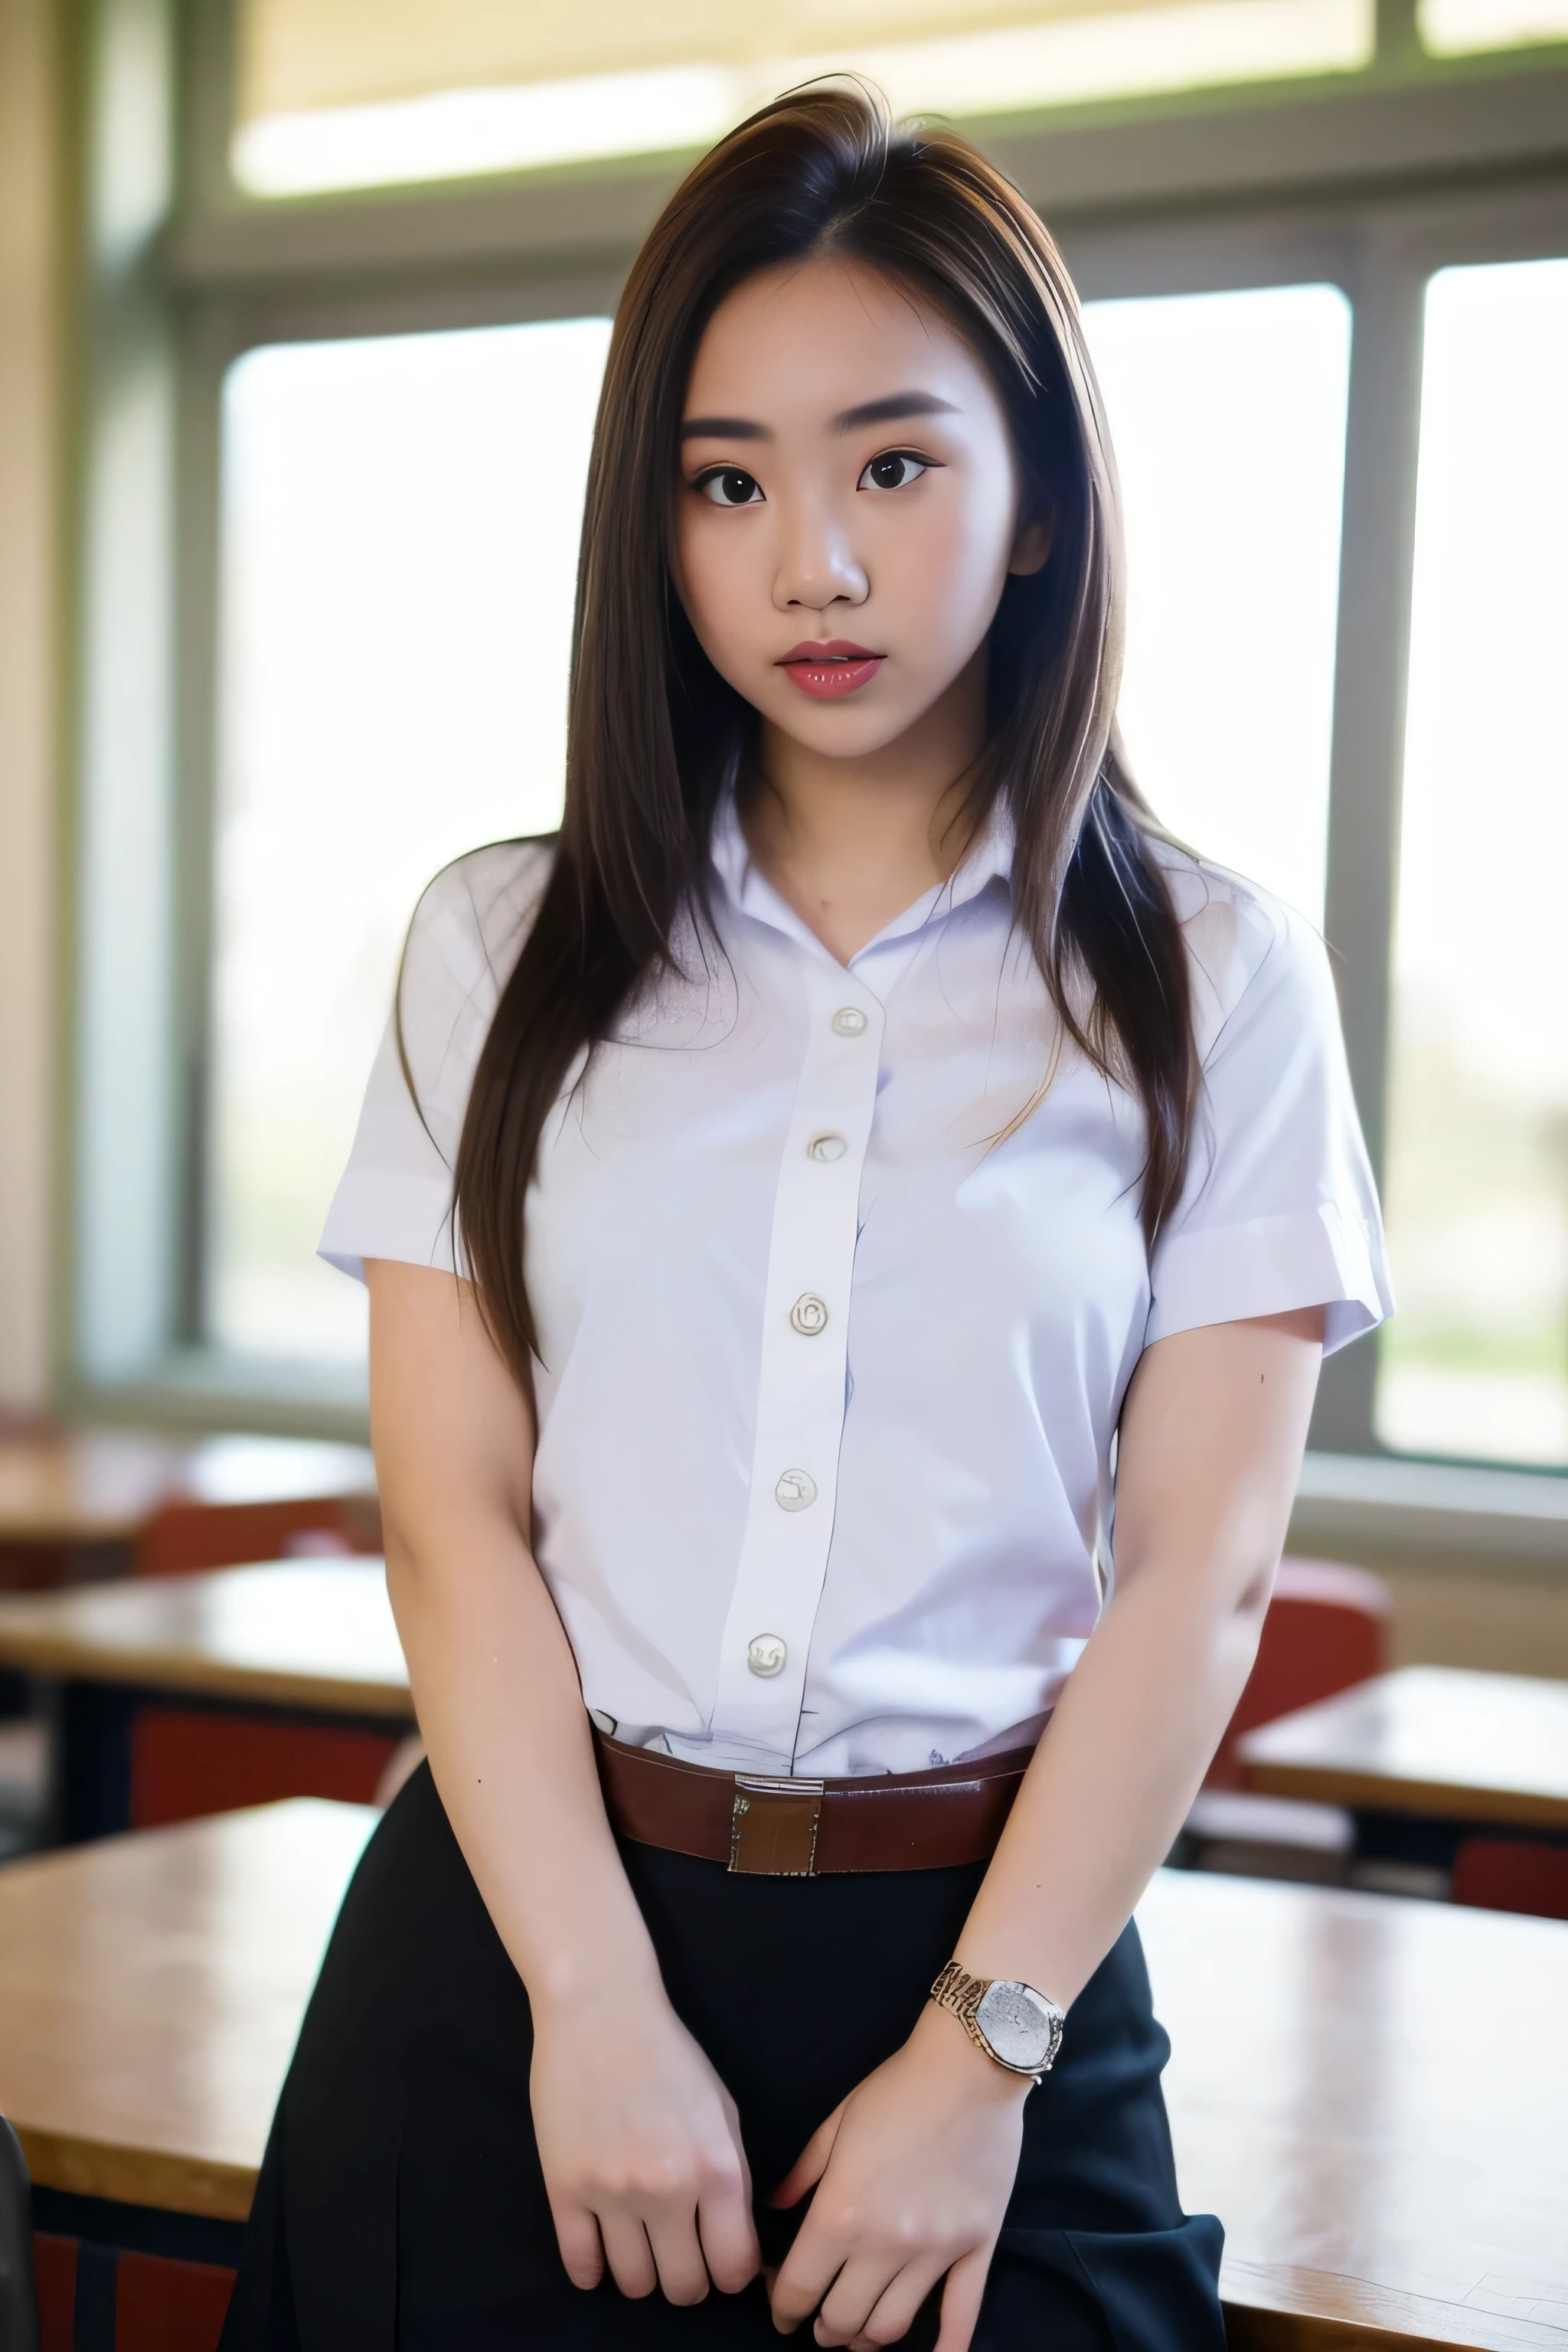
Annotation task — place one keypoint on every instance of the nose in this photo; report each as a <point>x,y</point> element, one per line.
<point>817,566</point>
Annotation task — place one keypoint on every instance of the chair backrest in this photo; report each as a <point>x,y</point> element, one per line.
<point>18,2297</point>
<point>184,1537</point>
<point>1512,1874</point>
<point>187,1762</point>
<point>1327,1627</point>
<point>92,2294</point>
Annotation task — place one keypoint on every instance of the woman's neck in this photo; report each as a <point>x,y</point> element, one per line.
<point>849,844</point>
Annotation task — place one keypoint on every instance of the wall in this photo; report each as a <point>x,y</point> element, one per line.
<point>30,435</point>
<point>1502,1623</point>
<point>1475,1560</point>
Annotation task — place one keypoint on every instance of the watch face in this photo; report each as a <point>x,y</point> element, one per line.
<point>1018,2025</point>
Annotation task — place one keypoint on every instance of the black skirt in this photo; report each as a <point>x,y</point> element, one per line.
<point>401,2202</point>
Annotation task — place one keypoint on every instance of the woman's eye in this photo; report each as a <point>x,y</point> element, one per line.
<point>729,486</point>
<point>895,471</point>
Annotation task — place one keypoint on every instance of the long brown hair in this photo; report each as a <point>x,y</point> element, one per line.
<point>655,735</point>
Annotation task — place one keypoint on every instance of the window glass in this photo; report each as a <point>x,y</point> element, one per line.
<point>1454,28</point>
<point>400,528</point>
<point>400,523</point>
<point>336,93</point>
<point>1228,416</point>
<point>1476,1362</point>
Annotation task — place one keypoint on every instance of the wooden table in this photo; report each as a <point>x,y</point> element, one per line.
<point>151,1991</point>
<point>92,1491</point>
<point>1436,1748</point>
<point>310,1638</point>
<point>1369,2091</point>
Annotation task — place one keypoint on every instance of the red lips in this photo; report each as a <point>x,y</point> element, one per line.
<point>827,671</point>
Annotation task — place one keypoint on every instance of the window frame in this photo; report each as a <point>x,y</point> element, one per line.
<point>1370,182</point>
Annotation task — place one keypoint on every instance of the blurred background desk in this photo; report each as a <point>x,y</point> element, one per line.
<point>173,1696</point>
<point>1458,1774</point>
<point>151,1991</point>
<point>1369,2091</point>
<point>1438,1741</point>
<point>79,1504</point>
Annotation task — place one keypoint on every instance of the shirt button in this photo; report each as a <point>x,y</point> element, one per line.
<point>807,1315</point>
<point>826,1147</point>
<point>765,1655</point>
<point>795,1491</point>
<point>849,1021</point>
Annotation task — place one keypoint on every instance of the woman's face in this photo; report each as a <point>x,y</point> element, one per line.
<point>848,506</point>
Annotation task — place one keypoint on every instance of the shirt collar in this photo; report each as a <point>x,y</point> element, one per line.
<point>988,858</point>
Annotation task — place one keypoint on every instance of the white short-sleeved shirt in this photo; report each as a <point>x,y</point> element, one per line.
<point>832,1362</point>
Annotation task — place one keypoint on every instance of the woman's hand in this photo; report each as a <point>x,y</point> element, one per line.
<point>637,2135</point>
<point>913,2174</point>
<point>641,2150</point>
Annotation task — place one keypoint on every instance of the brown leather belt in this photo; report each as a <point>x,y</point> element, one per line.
<point>756,1822</point>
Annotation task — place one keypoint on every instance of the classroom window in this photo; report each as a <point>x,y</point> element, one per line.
<point>388,568</point>
<point>1457,28</point>
<point>331,96</point>
<point>1228,416</point>
<point>1477,1362</point>
<point>400,520</point>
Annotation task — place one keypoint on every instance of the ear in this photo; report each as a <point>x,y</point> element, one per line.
<point>1033,545</point>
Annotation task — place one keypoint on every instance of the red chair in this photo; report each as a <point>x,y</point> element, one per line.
<point>1327,1627</point>
<point>159,2305</point>
<point>184,1537</point>
<point>187,1763</point>
<point>1512,1874</point>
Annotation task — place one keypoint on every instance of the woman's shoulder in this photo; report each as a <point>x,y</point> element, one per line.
<point>473,917</point>
<point>1246,947</point>
<point>464,939</point>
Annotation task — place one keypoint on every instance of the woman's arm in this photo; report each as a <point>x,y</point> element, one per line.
<point>637,2138</point>
<point>915,2168</point>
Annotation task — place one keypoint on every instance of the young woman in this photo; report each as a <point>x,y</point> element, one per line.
<point>798,1202</point>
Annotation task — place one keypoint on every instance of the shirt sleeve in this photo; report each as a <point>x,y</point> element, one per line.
<point>1279,1210</point>
<point>394,1199</point>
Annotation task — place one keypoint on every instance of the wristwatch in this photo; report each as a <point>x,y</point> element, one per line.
<point>1010,2021</point>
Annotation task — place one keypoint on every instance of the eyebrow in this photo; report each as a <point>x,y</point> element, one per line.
<point>849,420</point>
<point>894,404</point>
<point>723,428</point>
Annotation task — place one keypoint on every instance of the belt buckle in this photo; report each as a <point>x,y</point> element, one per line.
<point>773,1825</point>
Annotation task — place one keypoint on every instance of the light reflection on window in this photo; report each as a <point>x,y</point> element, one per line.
<point>1476,1362</point>
<point>400,525</point>
<point>1457,28</point>
<point>1228,416</point>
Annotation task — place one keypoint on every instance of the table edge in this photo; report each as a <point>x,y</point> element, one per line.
<point>1330,1784</point>
<point>68,1529</point>
<point>1284,2307</point>
<point>208,2188</point>
<point>71,1660</point>
<point>1268,2307</point>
